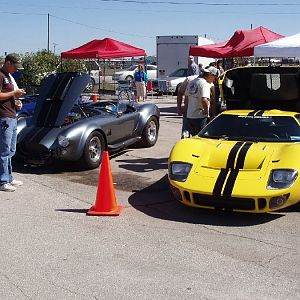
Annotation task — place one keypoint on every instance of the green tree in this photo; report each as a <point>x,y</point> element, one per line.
<point>39,65</point>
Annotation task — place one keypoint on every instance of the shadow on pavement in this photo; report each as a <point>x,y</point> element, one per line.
<point>57,167</point>
<point>142,165</point>
<point>157,201</point>
<point>73,210</point>
<point>166,111</point>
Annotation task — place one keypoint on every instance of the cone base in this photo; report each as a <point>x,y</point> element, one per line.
<point>114,212</point>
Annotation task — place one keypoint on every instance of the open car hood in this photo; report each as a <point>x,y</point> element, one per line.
<point>255,87</point>
<point>58,94</point>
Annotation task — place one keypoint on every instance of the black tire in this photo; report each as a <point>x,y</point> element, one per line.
<point>177,89</point>
<point>129,78</point>
<point>150,133</point>
<point>92,153</point>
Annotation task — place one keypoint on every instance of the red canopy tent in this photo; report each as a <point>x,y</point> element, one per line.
<point>103,49</point>
<point>241,44</point>
<point>106,48</point>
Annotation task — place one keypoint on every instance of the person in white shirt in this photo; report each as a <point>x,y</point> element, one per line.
<point>182,101</point>
<point>193,68</point>
<point>198,92</point>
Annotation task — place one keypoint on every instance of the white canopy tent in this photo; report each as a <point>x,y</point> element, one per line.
<point>285,47</point>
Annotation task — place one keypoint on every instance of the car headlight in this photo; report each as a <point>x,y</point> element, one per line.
<point>282,178</point>
<point>63,141</point>
<point>179,171</point>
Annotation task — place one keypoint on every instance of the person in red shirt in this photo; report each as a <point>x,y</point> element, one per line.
<point>9,104</point>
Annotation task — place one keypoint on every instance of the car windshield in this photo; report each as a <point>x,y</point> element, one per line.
<point>253,128</point>
<point>132,68</point>
<point>179,73</point>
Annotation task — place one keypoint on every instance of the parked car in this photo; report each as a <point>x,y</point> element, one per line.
<point>29,103</point>
<point>171,83</point>
<point>246,159</point>
<point>128,74</point>
<point>96,75</point>
<point>59,129</point>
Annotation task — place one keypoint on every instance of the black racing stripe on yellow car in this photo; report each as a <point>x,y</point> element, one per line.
<point>242,155</point>
<point>230,182</point>
<point>232,155</point>
<point>220,182</point>
<point>234,173</point>
<point>229,165</point>
<point>259,113</point>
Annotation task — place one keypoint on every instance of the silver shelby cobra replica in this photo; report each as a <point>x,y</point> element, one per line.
<point>61,128</point>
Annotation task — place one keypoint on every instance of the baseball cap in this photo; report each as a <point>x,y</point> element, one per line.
<point>15,59</point>
<point>211,70</point>
<point>191,57</point>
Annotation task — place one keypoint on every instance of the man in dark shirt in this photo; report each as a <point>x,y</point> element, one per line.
<point>9,104</point>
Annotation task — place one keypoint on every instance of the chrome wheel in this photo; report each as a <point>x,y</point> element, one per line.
<point>92,152</point>
<point>95,149</point>
<point>152,131</point>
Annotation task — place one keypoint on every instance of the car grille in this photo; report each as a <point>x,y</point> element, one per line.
<point>224,202</point>
<point>33,150</point>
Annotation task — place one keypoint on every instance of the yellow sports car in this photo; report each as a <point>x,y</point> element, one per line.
<point>247,159</point>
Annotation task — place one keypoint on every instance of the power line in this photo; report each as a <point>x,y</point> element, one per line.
<point>166,11</point>
<point>201,3</point>
<point>99,28</point>
<point>21,13</point>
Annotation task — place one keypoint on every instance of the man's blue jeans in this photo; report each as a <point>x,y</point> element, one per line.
<point>8,140</point>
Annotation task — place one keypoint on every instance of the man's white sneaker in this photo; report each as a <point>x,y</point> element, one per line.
<point>16,182</point>
<point>6,187</point>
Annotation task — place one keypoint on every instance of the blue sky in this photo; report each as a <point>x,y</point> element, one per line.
<point>73,22</point>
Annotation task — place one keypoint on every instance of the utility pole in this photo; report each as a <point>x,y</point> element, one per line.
<point>48,45</point>
<point>54,47</point>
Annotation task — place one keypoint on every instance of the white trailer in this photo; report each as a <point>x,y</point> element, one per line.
<point>172,52</point>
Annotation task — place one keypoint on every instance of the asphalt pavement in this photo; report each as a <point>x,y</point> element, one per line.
<point>155,249</point>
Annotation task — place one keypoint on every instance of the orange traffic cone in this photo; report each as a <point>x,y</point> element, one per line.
<point>94,98</point>
<point>106,203</point>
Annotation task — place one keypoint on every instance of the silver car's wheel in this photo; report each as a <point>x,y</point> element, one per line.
<point>150,133</point>
<point>93,149</point>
